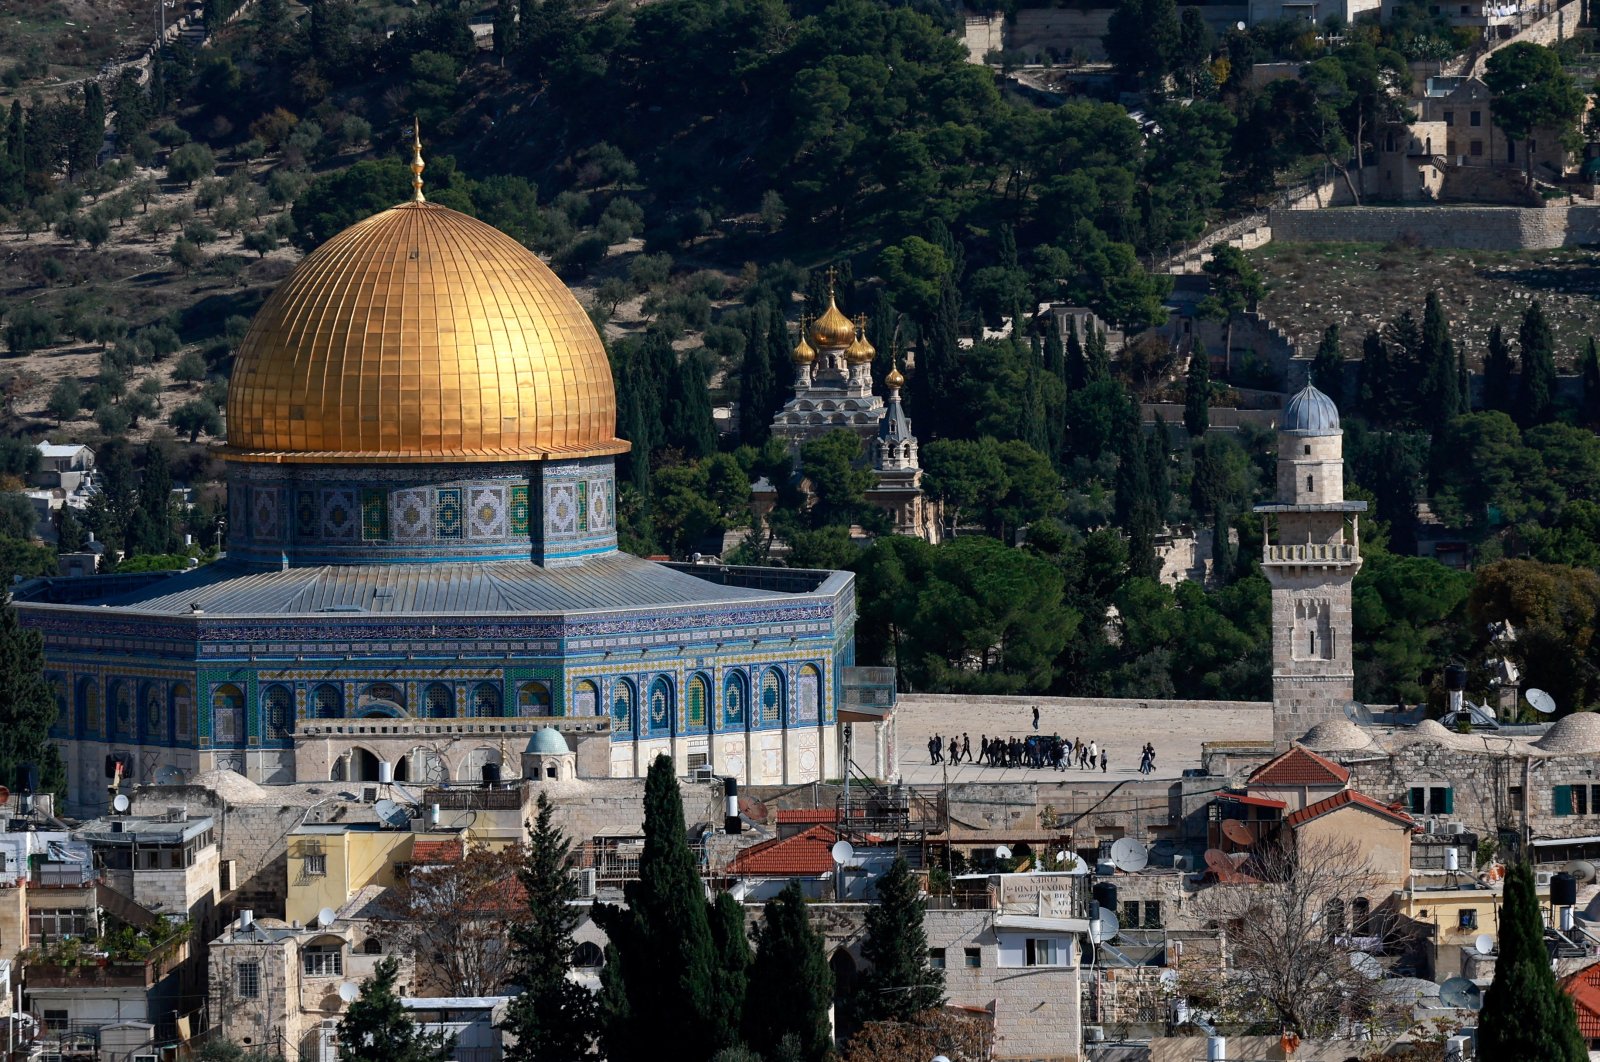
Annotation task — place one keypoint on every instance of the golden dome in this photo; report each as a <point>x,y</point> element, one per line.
<point>833,329</point>
<point>860,352</point>
<point>421,335</point>
<point>894,380</point>
<point>803,354</point>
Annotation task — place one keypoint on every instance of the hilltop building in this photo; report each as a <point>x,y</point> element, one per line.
<point>422,564</point>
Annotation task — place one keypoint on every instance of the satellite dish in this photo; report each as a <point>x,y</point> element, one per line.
<point>1366,965</point>
<point>326,916</point>
<point>1358,713</point>
<point>1218,862</point>
<point>1074,865</point>
<point>1129,855</point>
<point>1483,944</point>
<point>1105,926</point>
<point>349,992</point>
<point>843,851</point>
<point>391,814</point>
<point>169,775</point>
<point>120,804</point>
<point>1581,869</point>
<point>1002,852</point>
<point>1238,832</point>
<point>1169,976</point>
<point>1542,702</point>
<point>1239,26</point>
<point>1461,994</point>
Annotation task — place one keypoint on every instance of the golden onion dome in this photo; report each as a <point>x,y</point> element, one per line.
<point>833,330</point>
<point>894,380</point>
<point>803,354</point>
<point>421,335</point>
<point>860,352</point>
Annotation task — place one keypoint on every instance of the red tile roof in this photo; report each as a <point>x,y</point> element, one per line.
<point>1253,801</point>
<point>436,851</point>
<point>1341,799</point>
<point>808,853</point>
<point>1300,766</point>
<point>1584,988</point>
<point>806,816</point>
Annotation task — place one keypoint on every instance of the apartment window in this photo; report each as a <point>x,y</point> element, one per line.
<point>322,962</point>
<point>50,925</point>
<point>1475,149</point>
<point>974,958</point>
<point>1449,147</point>
<point>56,1020</point>
<point>1308,449</point>
<point>1576,800</point>
<point>1430,800</point>
<point>1449,117</point>
<point>1130,913</point>
<point>317,865</point>
<point>1475,118</point>
<point>1152,914</point>
<point>1467,918</point>
<point>249,975</point>
<point>1042,951</point>
<point>1514,795</point>
<point>936,958</point>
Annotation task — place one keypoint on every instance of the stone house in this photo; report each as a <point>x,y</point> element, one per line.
<point>1465,106</point>
<point>1377,836</point>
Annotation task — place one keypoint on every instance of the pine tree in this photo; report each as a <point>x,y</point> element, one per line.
<point>665,989</point>
<point>789,966</point>
<point>1537,390</point>
<point>732,972</point>
<point>900,983</point>
<point>757,385</point>
<point>1197,391</point>
<point>27,706</point>
<point>1327,368</point>
<point>553,1017</point>
<point>1525,1013</point>
<point>1077,361</point>
<point>1589,371</point>
<point>1438,389</point>
<point>1498,373</point>
<point>377,1028</point>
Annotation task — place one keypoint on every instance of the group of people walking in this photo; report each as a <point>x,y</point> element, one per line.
<point>1039,751</point>
<point>1147,758</point>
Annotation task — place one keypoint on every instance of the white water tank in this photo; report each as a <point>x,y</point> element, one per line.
<point>1217,1049</point>
<point>385,773</point>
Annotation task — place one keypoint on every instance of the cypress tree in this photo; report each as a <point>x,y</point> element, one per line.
<point>1589,370</point>
<point>1438,389</point>
<point>1222,555</point>
<point>1327,368</point>
<point>69,530</point>
<point>1077,361</point>
<point>1159,469</point>
<point>758,387</point>
<point>1497,373</point>
<point>1008,246</point>
<point>553,1016</point>
<point>665,992</point>
<point>1055,355</point>
<point>1197,391</point>
<point>91,131</point>
<point>689,407</point>
<point>1525,1013</point>
<point>155,534</point>
<point>1098,356</point>
<point>377,1028</point>
<point>789,966</point>
<point>900,983</point>
<point>1377,378</point>
<point>1463,383</point>
<point>1405,365</point>
<point>1537,390</point>
<point>780,354</point>
<point>27,706</point>
<point>732,972</point>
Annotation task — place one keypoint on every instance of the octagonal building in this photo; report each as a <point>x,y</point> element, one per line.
<point>422,565</point>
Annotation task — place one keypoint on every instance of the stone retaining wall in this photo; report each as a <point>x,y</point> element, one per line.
<point>1469,228</point>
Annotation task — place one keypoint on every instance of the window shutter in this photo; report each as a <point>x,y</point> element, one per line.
<point>1562,800</point>
<point>1449,800</point>
<point>1418,799</point>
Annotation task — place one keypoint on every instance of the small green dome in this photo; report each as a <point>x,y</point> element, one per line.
<point>547,741</point>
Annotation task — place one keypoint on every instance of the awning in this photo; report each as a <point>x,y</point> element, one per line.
<point>1253,801</point>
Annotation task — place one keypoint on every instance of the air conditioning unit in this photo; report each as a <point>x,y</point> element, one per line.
<point>1455,829</point>
<point>1542,877</point>
<point>1094,1034</point>
<point>1458,1049</point>
<point>117,825</point>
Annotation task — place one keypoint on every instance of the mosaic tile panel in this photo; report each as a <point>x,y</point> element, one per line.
<point>519,510</point>
<point>339,521</point>
<point>374,514</point>
<point>305,513</point>
<point>561,509</point>
<point>264,515</point>
<point>412,514</point>
<point>599,505</point>
<point>488,513</point>
<point>447,515</point>
<point>583,505</point>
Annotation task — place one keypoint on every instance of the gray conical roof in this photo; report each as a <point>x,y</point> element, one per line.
<point>1311,413</point>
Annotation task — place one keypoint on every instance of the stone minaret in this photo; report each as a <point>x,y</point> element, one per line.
<point>1311,553</point>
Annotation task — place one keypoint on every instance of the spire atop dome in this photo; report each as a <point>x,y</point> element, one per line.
<point>417,165</point>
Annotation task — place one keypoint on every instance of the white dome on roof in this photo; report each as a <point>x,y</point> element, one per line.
<point>1575,733</point>
<point>1336,735</point>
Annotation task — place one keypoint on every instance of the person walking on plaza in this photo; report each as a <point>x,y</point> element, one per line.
<point>1102,761</point>
<point>935,747</point>
<point>1036,717</point>
<point>955,751</point>
<point>966,746</point>
<point>1094,752</point>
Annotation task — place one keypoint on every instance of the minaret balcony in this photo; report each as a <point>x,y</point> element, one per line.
<point>1312,553</point>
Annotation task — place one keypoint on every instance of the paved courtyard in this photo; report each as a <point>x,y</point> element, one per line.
<point>1176,728</point>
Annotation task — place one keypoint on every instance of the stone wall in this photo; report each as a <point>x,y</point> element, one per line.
<point>1471,228</point>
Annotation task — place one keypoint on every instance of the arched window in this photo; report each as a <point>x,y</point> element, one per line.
<point>277,707</point>
<point>660,706</point>
<point>327,701</point>
<point>622,703</point>
<point>1360,916</point>
<point>772,698</point>
<point>695,699</point>
<point>183,711</point>
<point>486,700</point>
<point>227,715</point>
<point>1333,917</point>
<point>586,699</point>
<point>90,722</point>
<point>735,699</point>
<point>441,701</point>
<point>808,695</point>
<point>382,699</point>
<point>533,699</point>
<point>153,714</point>
<point>588,955</point>
<point>372,946</point>
<point>121,710</point>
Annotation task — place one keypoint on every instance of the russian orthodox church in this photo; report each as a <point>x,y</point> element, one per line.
<point>833,390</point>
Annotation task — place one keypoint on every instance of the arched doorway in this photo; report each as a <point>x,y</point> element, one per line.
<point>363,766</point>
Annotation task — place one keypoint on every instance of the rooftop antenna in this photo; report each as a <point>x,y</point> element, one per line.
<point>1129,856</point>
<point>417,165</point>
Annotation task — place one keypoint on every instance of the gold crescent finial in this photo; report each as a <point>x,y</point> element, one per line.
<point>417,165</point>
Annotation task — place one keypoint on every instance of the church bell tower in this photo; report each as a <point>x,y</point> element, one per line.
<point>1310,556</point>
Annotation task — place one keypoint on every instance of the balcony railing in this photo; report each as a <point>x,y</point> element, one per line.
<point>1310,553</point>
